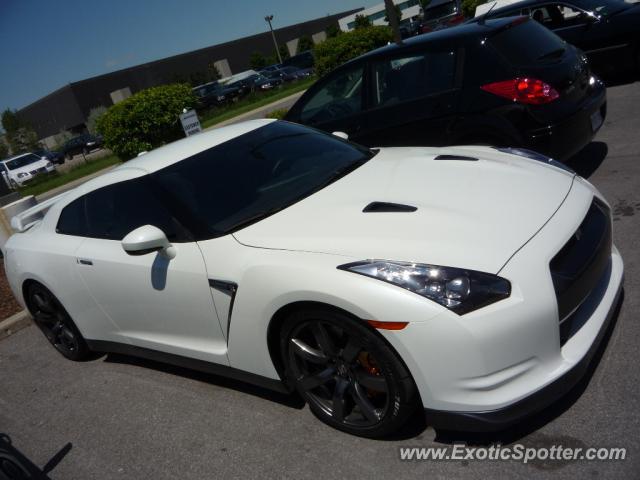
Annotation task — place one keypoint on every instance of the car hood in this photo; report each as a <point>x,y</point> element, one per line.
<point>472,214</point>
<point>31,167</point>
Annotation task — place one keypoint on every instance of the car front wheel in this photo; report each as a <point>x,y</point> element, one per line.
<point>351,379</point>
<point>54,321</point>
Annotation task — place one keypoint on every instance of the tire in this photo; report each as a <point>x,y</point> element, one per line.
<point>56,324</point>
<point>349,376</point>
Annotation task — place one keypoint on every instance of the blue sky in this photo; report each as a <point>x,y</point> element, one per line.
<point>45,44</point>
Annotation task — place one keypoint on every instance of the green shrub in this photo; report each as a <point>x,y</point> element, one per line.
<point>146,120</point>
<point>277,114</point>
<point>335,51</point>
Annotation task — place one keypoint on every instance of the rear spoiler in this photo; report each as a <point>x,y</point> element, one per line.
<point>27,219</point>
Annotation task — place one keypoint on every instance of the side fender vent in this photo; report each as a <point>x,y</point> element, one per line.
<point>379,207</point>
<point>456,157</point>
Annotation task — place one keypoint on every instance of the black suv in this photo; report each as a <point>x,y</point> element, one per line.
<point>81,144</point>
<point>607,30</point>
<point>506,82</point>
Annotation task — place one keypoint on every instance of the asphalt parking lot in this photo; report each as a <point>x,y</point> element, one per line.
<point>128,418</point>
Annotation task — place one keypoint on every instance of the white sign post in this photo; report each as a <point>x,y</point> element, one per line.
<point>190,123</point>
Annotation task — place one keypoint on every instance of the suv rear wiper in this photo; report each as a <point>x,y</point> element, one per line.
<point>552,54</point>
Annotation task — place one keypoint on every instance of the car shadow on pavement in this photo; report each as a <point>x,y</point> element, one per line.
<point>292,400</point>
<point>548,414</point>
<point>589,159</point>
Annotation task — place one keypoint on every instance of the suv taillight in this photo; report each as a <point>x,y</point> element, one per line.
<point>523,90</point>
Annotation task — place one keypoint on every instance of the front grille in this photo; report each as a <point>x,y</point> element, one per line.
<point>577,267</point>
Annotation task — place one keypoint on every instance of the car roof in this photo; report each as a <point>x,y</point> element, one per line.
<point>523,4</point>
<point>170,154</point>
<point>16,156</point>
<point>444,37</point>
<point>176,151</point>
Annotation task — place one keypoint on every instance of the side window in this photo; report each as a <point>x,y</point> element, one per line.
<point>338,98</point>
<point>407,78</point>
<point>72,219</point>
<point>558,15</point>
<point>113,211</point>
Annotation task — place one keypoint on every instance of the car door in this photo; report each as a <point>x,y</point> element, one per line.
<point>152,301</point>
<point>335,104</point>
<point>413,99</point>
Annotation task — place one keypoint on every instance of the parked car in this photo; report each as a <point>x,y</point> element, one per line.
<point>607,30</point>
<point>18,170</point>
<point>259,82</point>
<point>509,82</point>
<point>285,74</point>
<point>214,94</point>
<point>55,157</point>
<point>84,143</point>
<point>473,283</point>
<point>441,14</point>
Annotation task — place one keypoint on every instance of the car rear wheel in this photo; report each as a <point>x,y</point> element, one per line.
<point>54,321</point>
<point>351,379</point>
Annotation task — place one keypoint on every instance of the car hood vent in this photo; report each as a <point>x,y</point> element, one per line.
<point>456,157</point>
<point>379,207</point>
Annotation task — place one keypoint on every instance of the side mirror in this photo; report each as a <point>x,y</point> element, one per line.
<point>343,135</point>
<point>148,239</point>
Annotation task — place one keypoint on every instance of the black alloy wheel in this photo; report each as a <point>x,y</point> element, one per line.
<point>54,321</point>
<point>351,379</point>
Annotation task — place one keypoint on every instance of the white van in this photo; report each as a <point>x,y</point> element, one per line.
<point>18,170</point>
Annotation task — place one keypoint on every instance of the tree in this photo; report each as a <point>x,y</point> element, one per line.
<point>361,22</point>
<point>333,52</point>
<point>396,8</point>
<point>60,138</point>
<point>257,61</point>
<point>332,31</point>
<point>393,19</point>
<point>305,43</point>
<point>146,120</point>
<point>92,119</point>
<point>19,134</point>
<point>4,149</point>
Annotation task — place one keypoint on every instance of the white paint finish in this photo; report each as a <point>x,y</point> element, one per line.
<point>154,302</point>
<point>471,214</point>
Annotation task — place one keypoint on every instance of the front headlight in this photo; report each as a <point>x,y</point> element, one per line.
<point>459,290</point>
<point>49,165</point>
<point>525,152</point>
<point>23,174</point>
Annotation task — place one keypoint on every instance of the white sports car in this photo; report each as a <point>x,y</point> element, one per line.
<point>472,282</point>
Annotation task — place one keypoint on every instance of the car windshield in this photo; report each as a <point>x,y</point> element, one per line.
<point>439,11</point>
<point>514,43</point>
<point>22,161</point>
<point>241,181</point>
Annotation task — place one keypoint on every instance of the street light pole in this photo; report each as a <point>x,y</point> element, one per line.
<point>268,18</point>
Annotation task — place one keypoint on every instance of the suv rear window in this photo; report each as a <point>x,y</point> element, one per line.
<point>527,42</point>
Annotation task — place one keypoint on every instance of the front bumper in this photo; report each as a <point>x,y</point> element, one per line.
<point>505,417</point>
<point>483,370</point>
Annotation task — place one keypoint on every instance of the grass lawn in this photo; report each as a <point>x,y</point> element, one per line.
<point>253,101</point>
<point>49,182</point>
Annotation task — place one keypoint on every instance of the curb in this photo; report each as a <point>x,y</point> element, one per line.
<point>14,323</point>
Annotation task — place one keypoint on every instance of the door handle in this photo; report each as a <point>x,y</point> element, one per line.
<point>84,261</point>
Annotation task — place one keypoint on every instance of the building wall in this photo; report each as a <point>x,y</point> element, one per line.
<point>68,107</point>
<point>410,10</point>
